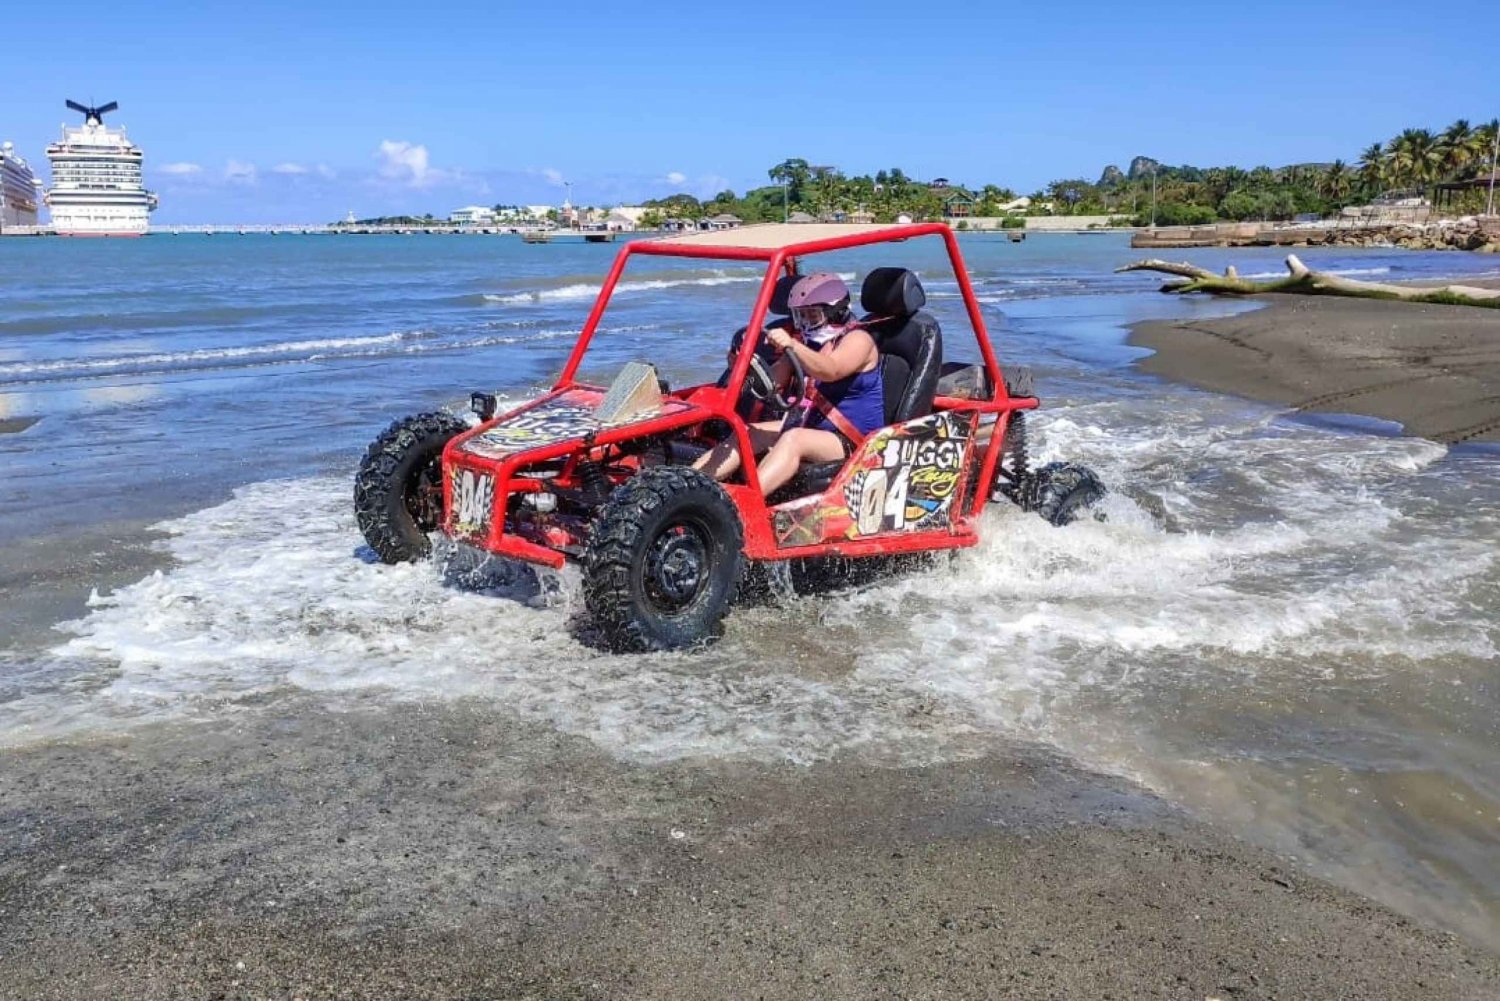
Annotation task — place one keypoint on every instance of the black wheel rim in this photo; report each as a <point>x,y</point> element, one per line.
<point>424,495</point>
<point>676,568</point>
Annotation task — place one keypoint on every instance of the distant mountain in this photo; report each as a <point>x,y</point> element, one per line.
<point>1111,177</point>
<point>1142,166</point>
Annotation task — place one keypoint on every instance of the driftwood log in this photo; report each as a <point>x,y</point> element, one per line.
<point>1304,281</point>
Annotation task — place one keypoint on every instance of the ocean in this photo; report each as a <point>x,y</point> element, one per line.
<point>1286,624</point>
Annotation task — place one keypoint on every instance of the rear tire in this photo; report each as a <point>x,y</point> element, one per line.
<point>1060,491</point>
<point>663,561</point>
<point>398,491</point>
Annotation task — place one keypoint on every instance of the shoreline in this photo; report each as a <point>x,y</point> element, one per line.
<point>450,850</point>
<point>1432,369</point>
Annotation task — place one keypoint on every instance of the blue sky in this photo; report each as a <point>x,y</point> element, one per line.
<point>285,112</point>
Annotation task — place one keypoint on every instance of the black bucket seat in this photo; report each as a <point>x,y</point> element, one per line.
<point>911,357</point>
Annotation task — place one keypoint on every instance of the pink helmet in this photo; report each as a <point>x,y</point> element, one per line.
<point>823,289</point>
<point>819,303</point>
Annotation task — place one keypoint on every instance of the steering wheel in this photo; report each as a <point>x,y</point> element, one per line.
<point>762,384</point>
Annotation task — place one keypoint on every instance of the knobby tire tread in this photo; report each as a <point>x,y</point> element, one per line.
<point>380,484</point>
<point>618,538</point>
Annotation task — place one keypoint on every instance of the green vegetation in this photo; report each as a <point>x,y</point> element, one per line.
<point>825,193</point>
<point>396,220</point>
<point>1408,163</point>
<point>1185,195</point>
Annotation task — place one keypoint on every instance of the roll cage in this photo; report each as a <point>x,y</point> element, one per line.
<point>781,247</point>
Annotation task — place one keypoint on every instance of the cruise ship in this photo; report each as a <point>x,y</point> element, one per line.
<point>19,190</point>
<point>96,179</point>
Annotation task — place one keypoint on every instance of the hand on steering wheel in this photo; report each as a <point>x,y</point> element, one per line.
<point>762,384</point>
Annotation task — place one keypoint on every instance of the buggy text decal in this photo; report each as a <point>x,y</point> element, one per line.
<point>904,480</point>
<point>473,501</point>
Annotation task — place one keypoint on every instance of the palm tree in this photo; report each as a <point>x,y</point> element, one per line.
<point>1456,147</point>
<point>1414,157</point>
<point>1373,167</point>
<point>1335,181</point>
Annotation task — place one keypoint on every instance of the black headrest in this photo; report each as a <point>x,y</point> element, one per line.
<point>891,292</point>
<point>781,293</point>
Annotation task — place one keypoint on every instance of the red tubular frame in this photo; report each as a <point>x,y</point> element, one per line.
<point>711,402</point>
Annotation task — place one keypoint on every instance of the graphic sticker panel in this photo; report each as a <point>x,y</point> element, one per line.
<point>905,480</point>
<point>473,496</point>
<point>566,418</point>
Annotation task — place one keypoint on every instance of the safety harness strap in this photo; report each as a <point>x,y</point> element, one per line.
<point>827,409</point>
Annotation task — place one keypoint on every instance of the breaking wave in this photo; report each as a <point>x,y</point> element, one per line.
<point>585,290</point>
<point>282,352</point>
<point>1014,638</point>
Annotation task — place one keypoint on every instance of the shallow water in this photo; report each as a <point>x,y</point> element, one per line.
<point>1286,624</point>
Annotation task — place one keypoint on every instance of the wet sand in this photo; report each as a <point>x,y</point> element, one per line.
<point>1433,369</point>
<point>450,851</point>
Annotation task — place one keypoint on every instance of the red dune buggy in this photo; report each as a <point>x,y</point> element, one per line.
<point>602,475</point>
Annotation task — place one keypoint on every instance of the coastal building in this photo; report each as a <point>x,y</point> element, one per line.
<point>628,216</point>
<point>538,213</point>
<point>801,217</point>
<point>19,190</point>
<point>958,203</point>
<point>96,179</point>
<point>724,220</point>
<point>472,215</point>
<point>619,222</point>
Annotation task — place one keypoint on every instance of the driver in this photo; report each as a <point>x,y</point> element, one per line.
<point>843,388</point>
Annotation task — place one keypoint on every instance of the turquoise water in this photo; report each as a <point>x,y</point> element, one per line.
<point>1284,624</point>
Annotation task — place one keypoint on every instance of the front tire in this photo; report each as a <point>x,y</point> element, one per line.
<point>1060,491</point>
<point>663,561</point>
<point>398,491</point>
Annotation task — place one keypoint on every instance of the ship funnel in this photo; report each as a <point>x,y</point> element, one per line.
<point>94,116</point>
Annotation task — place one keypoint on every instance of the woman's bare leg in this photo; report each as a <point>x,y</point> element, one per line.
<point>797,446</point>
<point>723,459</point>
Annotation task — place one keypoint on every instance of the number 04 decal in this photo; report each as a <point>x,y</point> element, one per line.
<point>883,493</point>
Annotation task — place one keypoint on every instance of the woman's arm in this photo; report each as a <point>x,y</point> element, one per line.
<point>853,353</point>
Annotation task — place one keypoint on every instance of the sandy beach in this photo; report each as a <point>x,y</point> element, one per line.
<point>448,851</point>
<point>1433,369</point>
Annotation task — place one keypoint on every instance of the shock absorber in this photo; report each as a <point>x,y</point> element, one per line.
<point>1014,483</point>
<point>591,475</point>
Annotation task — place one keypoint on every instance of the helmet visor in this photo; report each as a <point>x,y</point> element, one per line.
<point>809,317</point>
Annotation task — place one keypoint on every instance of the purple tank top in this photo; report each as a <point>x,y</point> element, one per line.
<point>859,397</point>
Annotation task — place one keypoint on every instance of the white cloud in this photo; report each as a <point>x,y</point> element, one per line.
<point>239,172</point>
<point>325,172</point>
<point>406,162</point>
<point>676,178</point>
<point>553,176</point>
<point>291,169</point>
<point>180,169</point>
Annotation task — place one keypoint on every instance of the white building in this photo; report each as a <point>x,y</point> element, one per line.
<point>472,215</point>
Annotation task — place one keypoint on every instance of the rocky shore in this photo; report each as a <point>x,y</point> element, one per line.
<point>1467,233</point>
